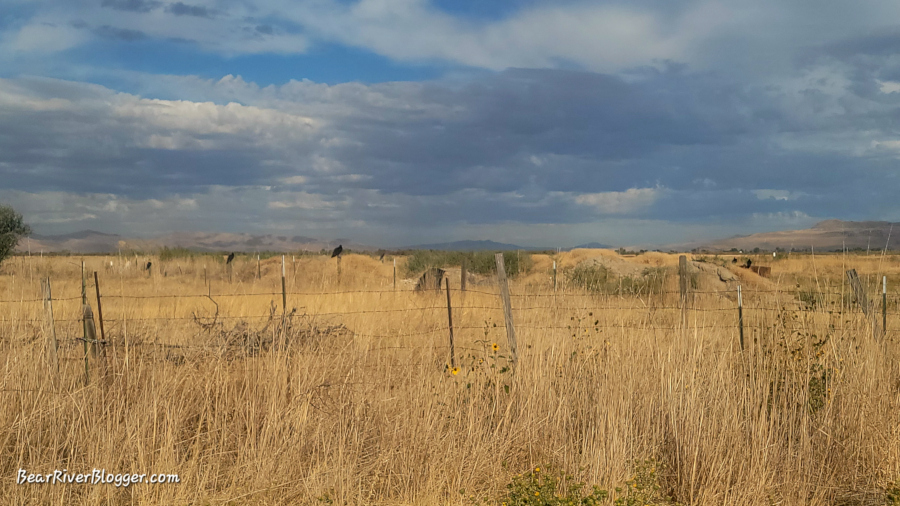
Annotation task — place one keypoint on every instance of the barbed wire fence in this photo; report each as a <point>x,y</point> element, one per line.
<point>425,322</point>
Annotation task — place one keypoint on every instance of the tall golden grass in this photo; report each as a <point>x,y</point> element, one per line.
<point>354,402</point>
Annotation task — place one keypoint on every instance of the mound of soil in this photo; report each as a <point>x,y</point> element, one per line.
<point>616,266</point>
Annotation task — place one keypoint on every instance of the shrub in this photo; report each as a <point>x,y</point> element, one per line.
<point>598,278</point>
<point>12,228</point>
<point>545,487</point>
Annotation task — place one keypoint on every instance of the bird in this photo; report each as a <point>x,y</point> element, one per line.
<point>148,265</point>
<point>734,260</point>
<point>747,266</point>
<point>230,258</point>
<point>337,251</point>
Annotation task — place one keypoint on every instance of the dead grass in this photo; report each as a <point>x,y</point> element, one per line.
<point>359,407</point>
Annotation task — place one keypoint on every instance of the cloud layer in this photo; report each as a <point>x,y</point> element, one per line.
<point>647,121</point>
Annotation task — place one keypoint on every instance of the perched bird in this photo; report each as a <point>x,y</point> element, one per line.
<point>747,266</point>
<point>734,260</point>
<point>337,251</point>
<point>148,266</point>
<point>230,258</point>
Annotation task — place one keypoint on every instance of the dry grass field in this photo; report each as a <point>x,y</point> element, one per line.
<point>350,398</point>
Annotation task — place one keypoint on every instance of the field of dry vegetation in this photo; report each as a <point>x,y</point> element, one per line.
<point>351,399</point>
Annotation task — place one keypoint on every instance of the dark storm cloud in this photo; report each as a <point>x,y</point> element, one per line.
<point>131,5</point>
<point>595,122</point>
<point>520,146</point>
<point>183,9</point>
<point>111,32</point>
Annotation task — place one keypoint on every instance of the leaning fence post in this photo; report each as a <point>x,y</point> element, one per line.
<point>102,342</point>
<point>395,274</point>
<point>52,344</point>
<point>450,320</point>
<point>741,317</point>
<point>507,306</point>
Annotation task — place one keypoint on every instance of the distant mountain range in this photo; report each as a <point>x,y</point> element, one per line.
<point>472,246</point>
<point>91,241</point>
<point>593,245</point>
<point>829,235</point>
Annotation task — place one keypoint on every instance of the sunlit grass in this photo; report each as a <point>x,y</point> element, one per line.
<point>355,403</point>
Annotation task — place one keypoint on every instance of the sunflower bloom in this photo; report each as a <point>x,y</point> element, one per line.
<point>495,346</point>
<point>454,371</point>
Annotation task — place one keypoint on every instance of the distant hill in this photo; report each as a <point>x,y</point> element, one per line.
<point>472,246</point>
<point>593,245</point>
<point>90,241</point>
<point>85,241</point>
<point>828,235</point>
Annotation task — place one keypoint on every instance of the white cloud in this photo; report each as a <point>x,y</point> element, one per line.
<point>187,120</point>
<point>777,194</point>
<point>302,200</point>
<point>595,36</point>
<point>44,37</point>
<point>627,202</point>
<point>888,86</point>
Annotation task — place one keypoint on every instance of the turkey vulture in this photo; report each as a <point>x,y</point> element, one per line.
<point>734,260</point>
<point>337,251</point>
<point>148,266</point>
<point>747,266</point>
<point>230,258</point>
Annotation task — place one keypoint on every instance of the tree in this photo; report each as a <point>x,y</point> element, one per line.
<point>12,228</point>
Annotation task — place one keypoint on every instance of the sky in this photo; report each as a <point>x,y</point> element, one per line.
<point>400,122</point>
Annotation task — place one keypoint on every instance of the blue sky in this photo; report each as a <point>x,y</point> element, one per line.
<point>397,122</point>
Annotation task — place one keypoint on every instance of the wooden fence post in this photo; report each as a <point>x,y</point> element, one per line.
<point>463,274</point>
<point>395,274</point>
<point>84,337</point>
<point>741,317</point>
<point>507,307</point>
<point>283,307</point>
<point>450,320</point>
<point>554,275</point>
<point>858,291</point>
<point>52,344</point>
<point>883,307</point>
<point>102,342</point>
<point>862,299</point>
<point>258,270</point>
<point>682,287</point>
<point>283,288</point>
<point>339,269</point>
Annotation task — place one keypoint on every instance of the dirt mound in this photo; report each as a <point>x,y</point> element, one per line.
<point>616,266</point>
<point>712,277</point>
